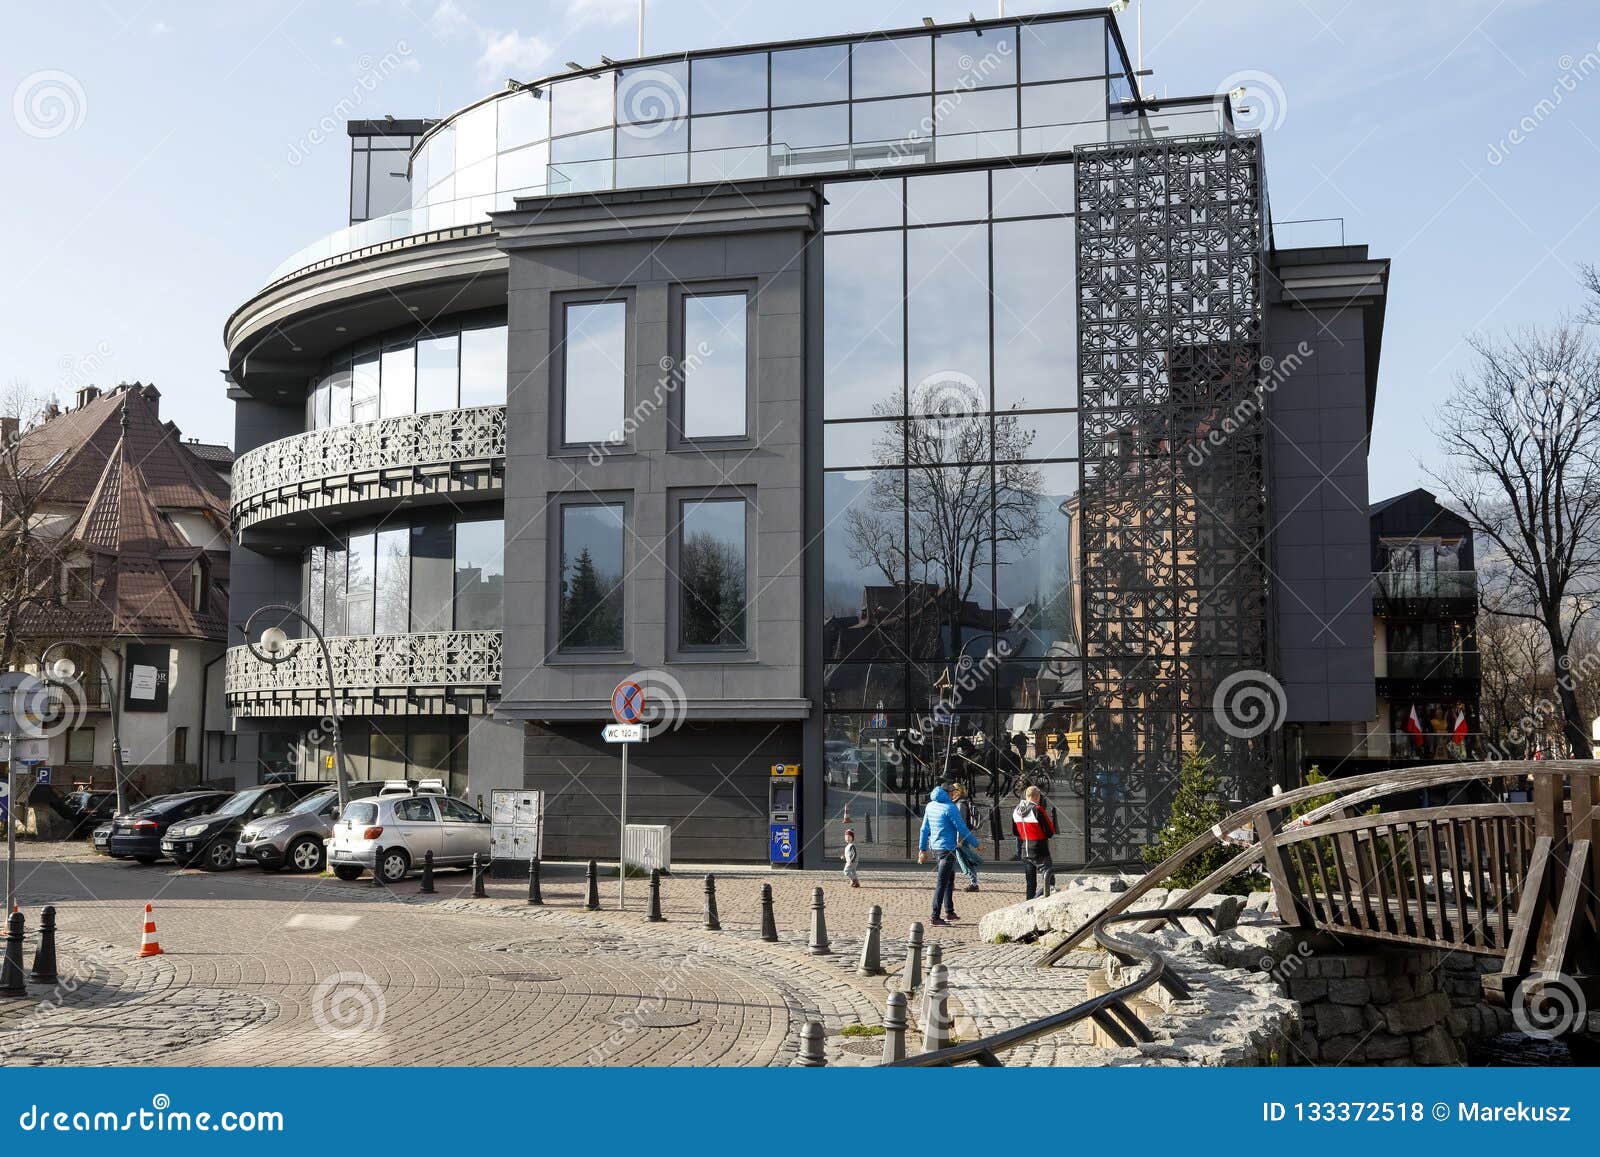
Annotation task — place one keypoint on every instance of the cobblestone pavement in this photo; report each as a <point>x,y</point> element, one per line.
<point>283,969</point>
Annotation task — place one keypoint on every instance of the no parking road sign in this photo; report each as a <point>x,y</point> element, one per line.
<point>627,702</point>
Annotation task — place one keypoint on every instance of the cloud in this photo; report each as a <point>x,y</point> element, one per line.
<point>508,54</point>
<point>605,12</point>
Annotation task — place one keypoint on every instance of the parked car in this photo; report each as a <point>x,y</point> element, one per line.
<point>101,837</point>
<point>138,834</point>
<point>843,767</point>
<point>210,839</point>
<point>297,838</point>
<point>406,828</point>
<point>86,810</point>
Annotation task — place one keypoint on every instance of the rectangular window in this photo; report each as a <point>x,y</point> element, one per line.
<point>397,382</point>
<point>77,585</point>
<point>339,392</point>
<point>483,367</point>
<point>334,600</point>
<point>316,585</point>
<point>712,575</point>
<point>591,588</point>
<point>364,389</point>
<point>80,745</point>
<point>715,362</point>
<point>892,67</point>
<point>811,75</point>
<point>391,612</point>
<point>180,745</point>
<point>438,359</point>
<point>480,575</point>
<point>594,378</point>
<point>432,549</point>
<point>359,583</point>
<point>727,83</point>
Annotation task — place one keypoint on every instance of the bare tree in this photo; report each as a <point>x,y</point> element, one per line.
<point>1521,439</point>
<point>1513,700</point>
<point>28,549</point>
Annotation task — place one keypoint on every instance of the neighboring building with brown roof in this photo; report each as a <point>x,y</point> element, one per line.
<point>136,522</point>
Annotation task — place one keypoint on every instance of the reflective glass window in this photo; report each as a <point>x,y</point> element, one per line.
<point>712,577</point>
<point>334,605</point>
<point>438,361</point>
<point>364,389</point>
<point>863,553</point>
<point>863,340</point>
<point>948,548</point>
<point>1033,190</point>
<point>891,67</point>
<point>475,134</point>
<point>1036,436</point>
<point>653,93</point>
<point>727,132</point>
<point>525,169</point>
<point>983,121</point>
<point>726,83</point>
<point>315,580</point>
<point>524,118</point>
<point>593,146</point>
<point>397,381</point>
<point>595,351</point>
<point>590,615</point>
<point>391,615</point>
<point>360,562</point>
<point>888,121</point>
<point>1036,559</point>
<point>582,103</point>
<point>715,365</point>
<point>339,393</point>
<point>947,320</point>
<point>863,204</point>
<point>1035,314</point>
<point>805,128</point>
<point>637,172</point>
<point>976,59</point>
<point>811,75</point>
<point>483,366</point>
<point>943,197</point>
<point>859,444</point>
<point>653,139</point>
<point>1062,49</point>
<point>479,575</point>
<point>432,554</point>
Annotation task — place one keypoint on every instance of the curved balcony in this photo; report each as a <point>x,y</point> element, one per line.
<point>441,673</point>
<point>339,469</point>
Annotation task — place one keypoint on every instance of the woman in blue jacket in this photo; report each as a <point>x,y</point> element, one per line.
<point>943,831</point>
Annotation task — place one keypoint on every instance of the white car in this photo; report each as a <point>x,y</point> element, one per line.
<point>406,828</point>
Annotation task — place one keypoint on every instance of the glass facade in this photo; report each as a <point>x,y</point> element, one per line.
<point>950,491</point>
<point>591,612</point>
<point>450,366</point>
<point>713,575</point>
<point>423,575</point>
<point>715,359</point>
<point>415,747</point>
<point>594,353</point>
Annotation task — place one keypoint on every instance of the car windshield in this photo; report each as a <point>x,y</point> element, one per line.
<point>165,805</point>
<point>361,813</point>
<point>238,804</point>
<point>315,802</point>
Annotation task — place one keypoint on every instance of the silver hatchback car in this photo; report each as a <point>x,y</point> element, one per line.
<point>392,834</point>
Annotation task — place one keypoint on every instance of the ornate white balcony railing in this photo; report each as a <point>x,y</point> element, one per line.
<point>440,438</point>
<point>368,664</point>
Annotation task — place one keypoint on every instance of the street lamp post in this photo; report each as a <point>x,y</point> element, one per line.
<point>276,647</point>
<point>64,670</point>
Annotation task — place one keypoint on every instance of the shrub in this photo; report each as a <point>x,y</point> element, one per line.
<point>1197,807</point>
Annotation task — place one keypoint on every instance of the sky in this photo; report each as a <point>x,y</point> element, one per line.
<point>161,158</point>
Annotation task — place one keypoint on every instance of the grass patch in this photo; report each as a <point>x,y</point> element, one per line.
<point>1002,938</point>
<point>861,1030</point>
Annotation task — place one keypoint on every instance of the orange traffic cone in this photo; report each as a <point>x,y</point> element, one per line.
<point>150,946</point>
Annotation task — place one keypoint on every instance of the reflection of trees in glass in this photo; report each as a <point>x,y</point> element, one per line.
<point>958,513</point>
<point>591,605</point>
<point>711,574</point>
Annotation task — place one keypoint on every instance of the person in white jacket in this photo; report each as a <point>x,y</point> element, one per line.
<point>852,859</point>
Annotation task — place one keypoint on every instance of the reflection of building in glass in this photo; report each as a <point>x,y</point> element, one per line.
<point>895,401</point>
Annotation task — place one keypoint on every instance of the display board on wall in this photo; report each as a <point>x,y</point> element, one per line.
<point>146,672</point>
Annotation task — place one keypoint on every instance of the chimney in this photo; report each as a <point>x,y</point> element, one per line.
<point>153,396</point>
<point>8,431</point>
<point>87,394</point>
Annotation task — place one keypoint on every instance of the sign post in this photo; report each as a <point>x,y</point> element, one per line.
<point>627,707</point>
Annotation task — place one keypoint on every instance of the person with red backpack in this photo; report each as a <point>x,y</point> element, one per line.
<point>1031,822</point>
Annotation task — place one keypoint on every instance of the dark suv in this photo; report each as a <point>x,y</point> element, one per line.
<point>210,840</point>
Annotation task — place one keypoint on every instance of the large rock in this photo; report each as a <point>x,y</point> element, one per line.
<point>1077,900</point>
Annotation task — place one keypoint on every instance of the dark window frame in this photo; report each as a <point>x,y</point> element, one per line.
<point>628,296</point>
<point>678,498</point>
<point>555,650</point>
<point>678,437</point>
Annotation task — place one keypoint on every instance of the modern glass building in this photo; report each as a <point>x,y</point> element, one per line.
<point>894,406</point>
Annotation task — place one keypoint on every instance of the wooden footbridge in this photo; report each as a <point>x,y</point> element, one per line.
<point>1495,859</point>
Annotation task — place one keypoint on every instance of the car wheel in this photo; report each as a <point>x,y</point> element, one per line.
<point>306,854</point>
<point>220,856</point>
<point>347,872</point>
<point>145,860</point>
<point>395,865</point>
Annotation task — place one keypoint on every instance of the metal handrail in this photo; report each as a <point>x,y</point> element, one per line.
<point>1109,1010</point>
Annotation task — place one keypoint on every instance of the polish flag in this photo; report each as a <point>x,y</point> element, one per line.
<point>1414,726</point>
<point>1458,730</point>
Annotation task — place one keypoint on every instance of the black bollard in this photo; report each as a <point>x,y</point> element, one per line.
<point>44,960</point>
<point>593,901</point>
<point>377,866</point>
<point>913,972</point>
<point>11,980</point>
<point>426,887</point>
<point>819,945</point>
<point>535,896</point>
<point>655,916</point>
<point>868,819</point>
<point>870,964</point>
<point>812,1055</point>
<point>769,926</point>
<point>479,892</point>
<point>935,956</point>
<point>994,824</point>
<point>712,923</point>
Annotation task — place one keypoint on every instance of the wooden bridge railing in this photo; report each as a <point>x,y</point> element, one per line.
<point>1516,880</point>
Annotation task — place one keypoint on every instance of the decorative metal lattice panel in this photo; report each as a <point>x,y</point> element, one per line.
<point>365,667</point>
<point>269,479</point>
<point>1175,594</point>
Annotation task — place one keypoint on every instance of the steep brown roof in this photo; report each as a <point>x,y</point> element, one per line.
<point>129,472</point>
